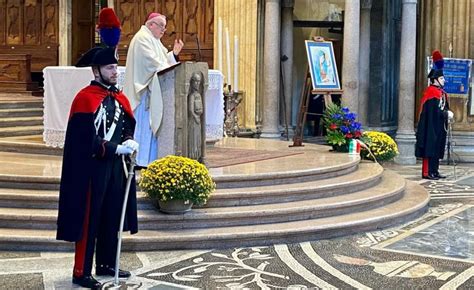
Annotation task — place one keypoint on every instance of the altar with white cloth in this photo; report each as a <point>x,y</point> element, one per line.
<point>62,83</point>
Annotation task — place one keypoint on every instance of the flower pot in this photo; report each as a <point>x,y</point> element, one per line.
<point>340,148</point>
<point>175,206</point>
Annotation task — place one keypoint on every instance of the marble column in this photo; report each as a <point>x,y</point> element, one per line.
<point>364,68</point>
<point>271,69</point>
<point>405,136</point>
<point>65,32</point>
<point>350,64</point>
<point>287,50</point>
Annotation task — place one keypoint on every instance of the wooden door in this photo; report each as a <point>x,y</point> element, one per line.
<point>83,27</point>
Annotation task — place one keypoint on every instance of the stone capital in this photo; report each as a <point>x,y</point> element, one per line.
<point>366,4</point>
<point>287,3</point>
<point>409,2</point>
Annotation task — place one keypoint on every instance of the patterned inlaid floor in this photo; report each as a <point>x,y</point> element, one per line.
<point>433,252</point>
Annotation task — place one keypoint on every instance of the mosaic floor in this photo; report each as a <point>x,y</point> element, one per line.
<point>435,251</point>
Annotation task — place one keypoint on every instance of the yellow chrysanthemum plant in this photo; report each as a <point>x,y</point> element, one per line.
<point>177,178</point>
<point>382,147</point>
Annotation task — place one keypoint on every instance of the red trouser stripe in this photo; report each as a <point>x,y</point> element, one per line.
<point>81,245</point>
<point>424,167</point>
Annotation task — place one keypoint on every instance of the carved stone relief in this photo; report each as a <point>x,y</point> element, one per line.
<point>195,114</point>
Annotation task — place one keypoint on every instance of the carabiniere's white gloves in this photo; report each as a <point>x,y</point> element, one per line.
<point>450,115</point>
<point>123,150</point>
<point>132,144</point>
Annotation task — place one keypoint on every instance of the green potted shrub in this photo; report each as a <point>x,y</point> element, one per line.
<point>175,183</point>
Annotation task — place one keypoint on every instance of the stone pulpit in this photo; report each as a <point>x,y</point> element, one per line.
<point>183,128</point>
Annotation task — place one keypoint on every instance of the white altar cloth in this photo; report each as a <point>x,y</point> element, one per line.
<point>62,83</point>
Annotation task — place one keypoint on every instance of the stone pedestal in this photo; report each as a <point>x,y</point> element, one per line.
<point>179,134</point>
<point>405,137</point>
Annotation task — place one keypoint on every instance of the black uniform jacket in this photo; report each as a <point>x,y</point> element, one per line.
<point>82,144</point>
<point>431,131</point>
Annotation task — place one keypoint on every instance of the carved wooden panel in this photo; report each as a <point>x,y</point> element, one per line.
<point>173,11</point>
<point>14,23</point>
<point>50,21</point>
<point>128,13</point>
<point>30,27</point>
<point>186,19</point>
<point>3,9</point>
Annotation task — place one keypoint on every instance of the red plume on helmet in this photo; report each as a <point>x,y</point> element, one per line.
<point>108,19</point>
<point>438,60</point>
<point>109,27</point>
<point>438,65</point>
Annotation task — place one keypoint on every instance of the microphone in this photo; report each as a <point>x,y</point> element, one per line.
<point>199,47</point>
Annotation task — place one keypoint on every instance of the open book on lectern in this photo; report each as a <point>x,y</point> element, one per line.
<point>167,69</point>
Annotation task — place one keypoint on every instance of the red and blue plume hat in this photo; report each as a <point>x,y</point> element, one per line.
<point>438,65</point>
<point>109,30</point>
<point>109,27</point>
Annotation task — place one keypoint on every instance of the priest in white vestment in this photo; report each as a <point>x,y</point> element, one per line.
<point>146,56</point>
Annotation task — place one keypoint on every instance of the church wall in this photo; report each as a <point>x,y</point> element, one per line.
<point>240,18</point>
<point>444,24</point>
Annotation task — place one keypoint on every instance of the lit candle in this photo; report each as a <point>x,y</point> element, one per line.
<point>227,47</point>
<point>236,64</point>
<point>219,44</point>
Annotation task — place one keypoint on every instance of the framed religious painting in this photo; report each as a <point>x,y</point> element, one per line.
<point>322,65</point>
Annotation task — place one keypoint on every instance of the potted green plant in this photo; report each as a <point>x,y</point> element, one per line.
<point>341,127</point>
<point>176,183</point>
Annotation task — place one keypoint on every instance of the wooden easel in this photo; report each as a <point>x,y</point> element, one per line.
<point>306,93</point>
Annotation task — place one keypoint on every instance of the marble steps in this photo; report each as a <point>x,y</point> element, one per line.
<point>389,189</point>
<point>21,121</point>
<point>367,175</point>
<point>21,103</point>
<point>16,146</point>
<point>21,131</point>
<point>21,112</point>
<point>411,204</point>
<point>237,180</point>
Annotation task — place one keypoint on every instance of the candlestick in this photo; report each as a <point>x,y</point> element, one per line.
<point>236,64</point>
<point>228,76</point>
<point>219,44</point>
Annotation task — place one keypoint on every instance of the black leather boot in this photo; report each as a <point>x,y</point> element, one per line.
<point>86,281</point>
<point>104,270</point>
<point>430,176</point>
<point>439,175</point>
